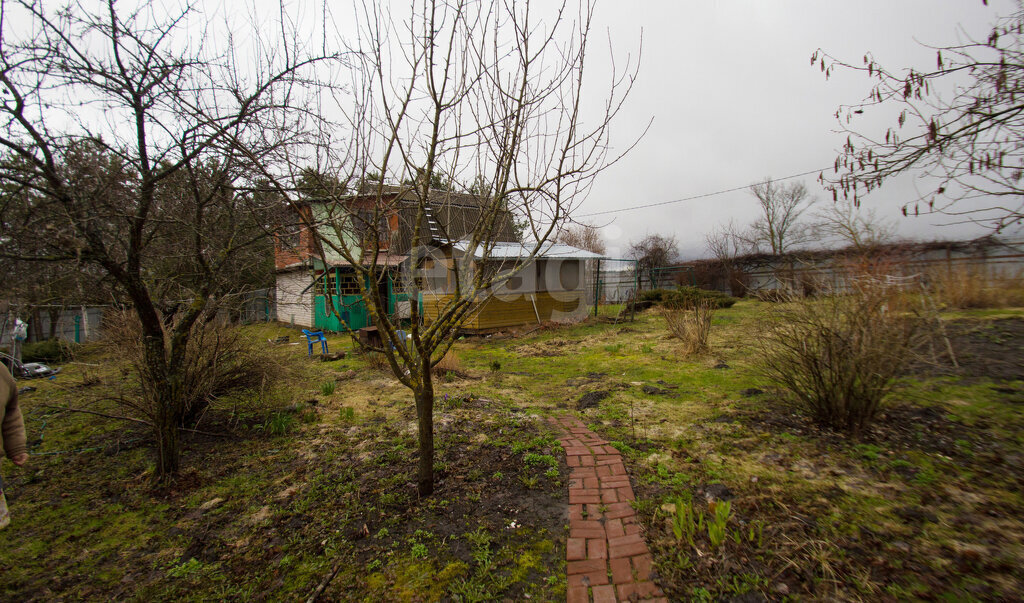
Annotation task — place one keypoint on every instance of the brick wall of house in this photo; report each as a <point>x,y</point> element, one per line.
<point>296,248</point>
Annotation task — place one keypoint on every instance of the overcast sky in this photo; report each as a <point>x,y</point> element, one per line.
<point>734,99</point>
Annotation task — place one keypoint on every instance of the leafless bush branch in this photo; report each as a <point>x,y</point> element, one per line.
<point>218,361</point>
<point>691,324</point>
<point>839,356</point>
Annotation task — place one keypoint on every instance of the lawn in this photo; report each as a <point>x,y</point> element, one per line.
<point>307,486</point>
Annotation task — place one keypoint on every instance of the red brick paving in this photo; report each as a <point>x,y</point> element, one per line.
<point>607,558</point>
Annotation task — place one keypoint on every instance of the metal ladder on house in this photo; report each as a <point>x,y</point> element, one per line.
<point>435,230</point>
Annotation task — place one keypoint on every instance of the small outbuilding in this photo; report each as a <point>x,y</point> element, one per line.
<point>556,284</point>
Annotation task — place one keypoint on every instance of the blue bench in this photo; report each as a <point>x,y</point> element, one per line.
<point>313,337</point>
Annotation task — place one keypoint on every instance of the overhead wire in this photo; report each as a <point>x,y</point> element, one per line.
<point>702,196</point>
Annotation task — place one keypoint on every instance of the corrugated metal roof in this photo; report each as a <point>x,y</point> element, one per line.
<point>410,193</point>
<point>505,251</point>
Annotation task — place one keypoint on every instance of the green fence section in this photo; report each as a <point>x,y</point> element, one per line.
<point>611,282</point>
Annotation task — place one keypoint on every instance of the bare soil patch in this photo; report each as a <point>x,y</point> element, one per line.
<point>992,349</point>
<point>546,349</point>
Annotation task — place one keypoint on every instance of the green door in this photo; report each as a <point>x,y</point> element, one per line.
<point>353,309</point>
<point>350,307</point>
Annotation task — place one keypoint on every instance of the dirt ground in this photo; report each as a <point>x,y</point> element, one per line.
<point>868,512</point>
<point>328,507</point>
<point>983,349</point>
<point>483,486</point>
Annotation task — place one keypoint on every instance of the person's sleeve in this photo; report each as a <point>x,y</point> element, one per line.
<point>13,428</point>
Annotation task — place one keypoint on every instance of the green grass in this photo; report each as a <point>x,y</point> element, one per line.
<point>700,430</point>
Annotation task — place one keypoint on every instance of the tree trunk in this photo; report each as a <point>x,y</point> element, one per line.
<point>36,324</point>
<point>168,442</point>
<point>165,390</point>
<point>425,413</point>
<point>54,318</point>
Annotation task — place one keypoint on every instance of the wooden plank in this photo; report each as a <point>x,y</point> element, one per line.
<point>498,313</point>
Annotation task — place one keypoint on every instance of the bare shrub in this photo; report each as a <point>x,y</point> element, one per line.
<point>690,324</point>
<point>377,360</point>
<point>450,363</point>
<point>839,356</point>
<point>974,287</point>
<point>218,361</point>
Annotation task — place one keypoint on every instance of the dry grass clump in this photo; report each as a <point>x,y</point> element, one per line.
<point>219,360</point>
<point>974,287</point>
<point>839,356</point>
<point>690,324</point>
<point>449,363</point>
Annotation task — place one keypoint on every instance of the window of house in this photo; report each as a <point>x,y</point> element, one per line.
<point>337,283</point>
<point>326,282</point>
<point>291,237</point>
<point>520,278</point>
<point>423,272</point>
<point>348,284</point>
<point>432,274</point>
<point>500,270</point>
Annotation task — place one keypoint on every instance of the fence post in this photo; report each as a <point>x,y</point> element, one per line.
<point>85,323</point>
<point>597,285</point>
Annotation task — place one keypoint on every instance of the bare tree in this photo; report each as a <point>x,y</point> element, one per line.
<point>460,91</point>
<point>959,125</point>
<point>583,236</point>
<point>854,226</point>
<point>727,243</point>
<point>653,252</point>
<point>779,227</point>
<point>129,145</point>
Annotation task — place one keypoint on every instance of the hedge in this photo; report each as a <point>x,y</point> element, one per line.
<point>686,296</point>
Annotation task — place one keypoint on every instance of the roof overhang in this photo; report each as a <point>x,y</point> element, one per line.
<point>512,251</point>
<point>382,260</point>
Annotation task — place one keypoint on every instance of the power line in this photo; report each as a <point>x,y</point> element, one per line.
<point>722,192</point>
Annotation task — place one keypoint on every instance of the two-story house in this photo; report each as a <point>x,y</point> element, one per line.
<point>317,287</point>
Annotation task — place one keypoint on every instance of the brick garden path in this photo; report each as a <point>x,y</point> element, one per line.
<point>604,536</point>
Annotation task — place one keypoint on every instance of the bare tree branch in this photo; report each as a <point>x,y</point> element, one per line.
<point>958,127</point>
<point>779,227</point>
<point>479,91</point>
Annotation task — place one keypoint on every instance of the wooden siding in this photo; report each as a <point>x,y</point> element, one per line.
<point>497,312</point>
<point>295,298</point>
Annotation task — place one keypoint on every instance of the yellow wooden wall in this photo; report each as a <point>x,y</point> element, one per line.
<point>497,312</point>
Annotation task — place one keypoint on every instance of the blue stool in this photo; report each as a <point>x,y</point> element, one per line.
<point>313,337</point>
